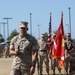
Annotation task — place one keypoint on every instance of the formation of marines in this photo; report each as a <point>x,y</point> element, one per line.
<point>24,45</point>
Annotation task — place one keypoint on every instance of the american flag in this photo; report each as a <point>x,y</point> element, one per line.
<point>49,35</point>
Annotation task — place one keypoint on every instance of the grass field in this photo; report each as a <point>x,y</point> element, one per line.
<point>5,65</point>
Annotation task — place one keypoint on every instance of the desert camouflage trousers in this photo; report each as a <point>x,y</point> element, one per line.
<point>20,71</point>
<point>45,60</point>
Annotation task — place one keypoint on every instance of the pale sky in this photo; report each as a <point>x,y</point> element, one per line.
<point>19,10</point>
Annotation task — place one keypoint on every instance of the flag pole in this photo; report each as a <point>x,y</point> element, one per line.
<point>70,20</point>
<point>50,33</point>
<point>62,19</point>
<point>51,40</point>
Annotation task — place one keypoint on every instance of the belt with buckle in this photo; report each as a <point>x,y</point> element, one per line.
<point>43,50</point>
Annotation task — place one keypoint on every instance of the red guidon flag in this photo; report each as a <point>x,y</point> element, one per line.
<point>59,44</point>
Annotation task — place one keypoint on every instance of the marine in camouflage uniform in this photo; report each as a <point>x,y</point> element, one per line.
<point>1,50</point>
<point>54,61</point>
<point>43,54</point>
<point>22,46</point>
<point>70,53</point>
<point>6,50</point>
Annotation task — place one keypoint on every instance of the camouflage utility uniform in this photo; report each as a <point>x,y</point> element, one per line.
<point>54,62</point>
<point>70,55</point>
<point>23,61</point>
<point>6,50</point>
<point>43,55</point>
<point>1,50</point>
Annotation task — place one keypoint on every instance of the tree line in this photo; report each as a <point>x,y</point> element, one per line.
<point>12,34</point>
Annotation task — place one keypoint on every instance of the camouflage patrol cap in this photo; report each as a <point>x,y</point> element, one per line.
<point>42,35</point>
<point>24,24</point>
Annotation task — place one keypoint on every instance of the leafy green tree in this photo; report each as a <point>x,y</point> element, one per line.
<point>1,38</point>
<point>13,33</point>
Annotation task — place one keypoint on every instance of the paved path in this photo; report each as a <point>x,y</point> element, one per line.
<point>5,65</point>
